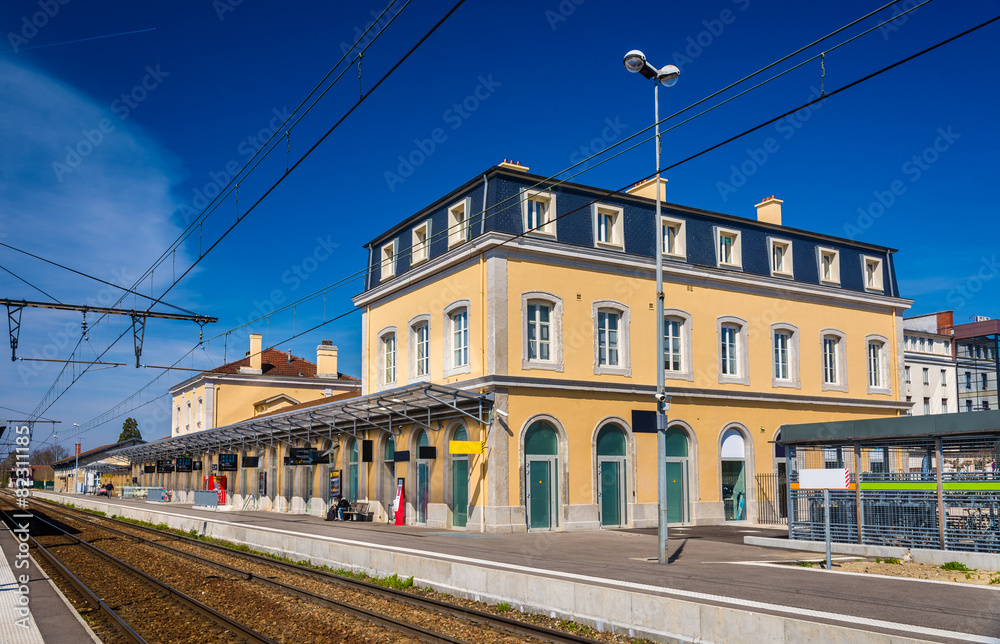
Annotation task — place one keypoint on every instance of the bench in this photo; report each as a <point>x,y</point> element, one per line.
<point>358,512</point>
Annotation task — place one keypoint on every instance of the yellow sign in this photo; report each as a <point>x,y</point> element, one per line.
<point>466,447</point>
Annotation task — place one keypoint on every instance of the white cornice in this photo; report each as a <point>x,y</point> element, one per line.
<point>263,381</point>
<point>561,253</point>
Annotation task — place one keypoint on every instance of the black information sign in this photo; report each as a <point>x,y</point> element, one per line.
<point>196,466</point>
<point>251,461</point>
<point>643,422</point>
<point>183,464</point>
<point>149,469</point>
<point>306,456</point>
<point>164,467</point>
<point>227,462</point>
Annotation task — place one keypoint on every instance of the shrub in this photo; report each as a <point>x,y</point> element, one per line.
<point>503,607</point>
<point>955,565</point>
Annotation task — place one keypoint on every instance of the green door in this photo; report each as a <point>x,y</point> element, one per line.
<point>675,492</point>
<point>610,493</point>
<point>460,492</point>
<point>539,491</point>
<point>423,491</point>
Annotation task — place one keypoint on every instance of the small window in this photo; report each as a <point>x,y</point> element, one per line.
<point>458,223</point>
<point>968,380</point>
<point>733,362</point>
<point>539,213</point>
<point>986,405</point>
<point>460,338</point>
<point>388,263</point>
<point>968,405</point>
<point>986,384</point>
<point>878,365</point>
<point>422,344</point>
<point>834,360</point>
<point>829,266</point>
<point>611,338</point>
<point>728,252</point>
<point>944,377</point>
<point>421,243</point>
<point>539,332</point>
<point>673,237</point>
<point>927,376</point>
<point>389,359</point>
<point>927,406</point>
<point>781,258</point>
<point>944,405</point>
<point>906,374</point>
<point>608,226</point>
<point>873,274</point>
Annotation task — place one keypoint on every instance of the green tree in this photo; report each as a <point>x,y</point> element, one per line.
<point>130,429</point>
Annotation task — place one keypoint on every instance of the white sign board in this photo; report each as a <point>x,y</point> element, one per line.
<point>836,479</point>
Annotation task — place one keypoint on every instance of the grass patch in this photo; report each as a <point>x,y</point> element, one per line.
<point>955,565</point>
<point>804,564</point>
<point>892,560</point>
<point>503,607</point>
<point>995,581</point>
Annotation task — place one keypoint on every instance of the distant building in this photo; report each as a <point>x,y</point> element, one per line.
<point>929,379</point>
<point>86,473</point>
<point>264,381</point>
<point>978,364</point>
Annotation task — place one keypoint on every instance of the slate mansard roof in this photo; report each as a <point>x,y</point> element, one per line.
<point>576,227</point>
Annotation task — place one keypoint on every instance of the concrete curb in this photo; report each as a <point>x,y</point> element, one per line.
<point>978,560</point>
<point>637,614</point>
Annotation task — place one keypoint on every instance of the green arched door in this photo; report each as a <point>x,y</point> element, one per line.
<point>460,483</point>
<point>677,475</point>
<point>541,460</point>
<point>611,498</point>
<point>423,480</point>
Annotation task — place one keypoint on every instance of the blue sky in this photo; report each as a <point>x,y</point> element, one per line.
<point>111,142</point>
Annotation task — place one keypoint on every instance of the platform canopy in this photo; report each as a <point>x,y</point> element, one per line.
<point>424,405</point>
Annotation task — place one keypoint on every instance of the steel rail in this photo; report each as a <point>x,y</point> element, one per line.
<point>197,606</point>
<point>517,627</point>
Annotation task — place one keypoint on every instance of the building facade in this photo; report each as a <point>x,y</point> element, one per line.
<point>930,380</point>
<point>978,364</point>
<point>543,296</point>
<point>264,381</point>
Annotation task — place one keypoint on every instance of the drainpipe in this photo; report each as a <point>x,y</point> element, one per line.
<point>482,217</point>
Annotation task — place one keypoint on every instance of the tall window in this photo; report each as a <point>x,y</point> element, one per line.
<point>389,260</point>
<point>460,338</point>
<point>537,213</point>
<point>906,374</point>
<point>781,345</point>
<point>829,266</point>
<point>927,375</point>
<point>538,332</point>
<point>458,223</point>
<point>672,345</point>
<point>727,349</point>
<point>389,358</point>
<point>421,335</point>
<point>986,384</point>
<point>927,406</point>
<point>421,243</point>
<point>726,248</point>
<point>830,359</point>
<point>607,338</point>
<point>968,380</point>
<point>875,373</point>
<point>944,377</point>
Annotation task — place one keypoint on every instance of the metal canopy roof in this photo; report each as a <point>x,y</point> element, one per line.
<point>900,427</point>
<point>424,405</point>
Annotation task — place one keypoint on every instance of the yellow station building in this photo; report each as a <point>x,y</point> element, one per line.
<point>544,296</point>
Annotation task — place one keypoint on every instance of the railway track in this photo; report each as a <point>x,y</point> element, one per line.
<point>405,614</point>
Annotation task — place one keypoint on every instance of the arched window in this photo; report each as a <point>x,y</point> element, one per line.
<point>732,455</point>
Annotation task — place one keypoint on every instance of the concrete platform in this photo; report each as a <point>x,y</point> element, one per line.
<point>32,609</point>
<point>716,588</point>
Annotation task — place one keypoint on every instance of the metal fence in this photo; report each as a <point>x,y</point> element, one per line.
<point>772,499</point>
<point>924,493</point>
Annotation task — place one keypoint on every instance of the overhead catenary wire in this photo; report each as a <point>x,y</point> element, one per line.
<point>690,158</point>
<point>16,276</point>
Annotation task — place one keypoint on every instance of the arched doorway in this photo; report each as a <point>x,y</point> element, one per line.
<point>541,468</point>
<point>611,475</point>
<point>423,490</point>
<point>732,455</point>
<point>678,475</point>
<point>460,482</point>
<point>781,472</point>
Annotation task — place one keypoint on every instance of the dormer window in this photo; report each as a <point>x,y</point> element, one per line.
<point>781,257</point>
<point>388,263</point>
<point>728,249</point>
<point>873,273</point>
<point>538,210</point>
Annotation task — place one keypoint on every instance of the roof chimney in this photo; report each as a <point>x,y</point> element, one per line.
<point>326,360</point>
<point>513,165</point>
<point>769,210</point>
<point>647,189</point>
<point>255,356</point>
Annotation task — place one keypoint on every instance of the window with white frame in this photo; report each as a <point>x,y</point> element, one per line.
<point>927,406</point>
<point>456,338</point>
<point>944,377</point>
<point>829,265</point>
<point>906,372</point>
<point>188,415</point>
<point>458,223</point>
<point>538,211</point>
<point>608,223</point>
<point>878,365</point>
<point>673,237</point>
<point>611,338</point>
<point>733,361</point>
<point>833,345</point>
<point>728,248</point>
<point>781,257</point>
<point>677,345</point>
<point>968,380</point>
<point>388,260</point>
<point>420,347</point>
<point>421,249</point>
<point>873,273</point>
<point>541,331</point>
<point>387,357</point>
<point>927,376</point>
<point>201,412</point>
<point>785,355</point>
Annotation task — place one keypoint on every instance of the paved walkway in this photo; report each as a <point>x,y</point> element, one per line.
<point>708,564</point>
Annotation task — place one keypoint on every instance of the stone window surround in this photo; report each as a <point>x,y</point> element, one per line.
<point>423,318</point>
<point>742,350</point>
<point>380,362</point>
<point>884,387</point>
<point>687,367</point>
<point>555,363</point>
<point>794,380</point>
<point>841,384</point>
<point>449,356</point>
<point>624,367</point>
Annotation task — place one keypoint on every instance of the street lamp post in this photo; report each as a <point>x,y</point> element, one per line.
<point>635,62</point>
<point>76,469</point>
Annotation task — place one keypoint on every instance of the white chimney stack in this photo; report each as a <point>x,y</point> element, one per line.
<point>326,360</point>
<point>255,356</point>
